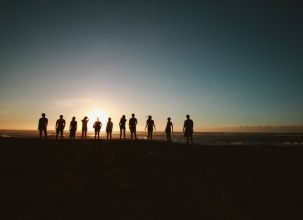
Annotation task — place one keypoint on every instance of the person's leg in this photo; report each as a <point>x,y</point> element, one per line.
<point>61,133</point>
<point>191,138</point>
<point>57,133</point>
<point>107,134</point>
<point>95,134</point>
<point>110,134</point>
<point>40,133</point>
<point>124,133</point>
<point>98,134</point>
<point>151,135</point>
<point>120,133</point>
<point>131,135</point>
<point>135,133</point>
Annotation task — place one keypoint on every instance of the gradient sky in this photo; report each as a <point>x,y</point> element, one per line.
<point>226,63</point>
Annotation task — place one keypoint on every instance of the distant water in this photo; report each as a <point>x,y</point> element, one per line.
<point>209,138</point>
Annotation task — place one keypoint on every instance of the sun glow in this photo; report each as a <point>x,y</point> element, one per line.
<point>93,115</point>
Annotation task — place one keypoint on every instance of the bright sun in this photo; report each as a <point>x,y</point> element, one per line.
<point>93,115</point>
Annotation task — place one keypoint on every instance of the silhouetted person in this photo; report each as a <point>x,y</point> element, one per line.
<point>60,125</point>
<point>168,130</point>
<point>109,129</point>
<point>188,129</point>
<point>132,126</point>
<point>73,128</point>
<point>42,126</point>
<point>84,127</point>
<point>122,126</point>
<point>150,125</point>
<point>97,126</point>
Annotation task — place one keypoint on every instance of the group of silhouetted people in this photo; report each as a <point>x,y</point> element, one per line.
<point>150,125</point>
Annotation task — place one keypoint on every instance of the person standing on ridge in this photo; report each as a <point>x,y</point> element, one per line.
<point>122,126</point>
<point>132,126</point>
<point>97,126</point>
<point>60,125</point>
<point>42,126</point>
<point>73,128</point>
<point>84,127</point>
<point>169,129</point>
<point>150,125</point>
<point>188,129</point>
<point>109,129</point>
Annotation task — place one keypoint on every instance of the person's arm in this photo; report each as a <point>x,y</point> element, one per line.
<point>56,124</point>
<point>145,126</point>
<point>38,124</point>
<point>46,123</point>
<point>184,126</point>
<point>70,125</point>
<point>172,128</point>
<point>76,126</point>
<point>63,124</point>
<point>155,127</point>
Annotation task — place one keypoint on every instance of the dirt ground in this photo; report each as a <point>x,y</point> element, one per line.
<point>91,179</point>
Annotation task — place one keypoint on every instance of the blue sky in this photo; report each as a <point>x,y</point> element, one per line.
<point>225,63</point>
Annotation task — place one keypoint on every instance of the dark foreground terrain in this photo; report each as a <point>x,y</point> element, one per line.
<point>141,180</point>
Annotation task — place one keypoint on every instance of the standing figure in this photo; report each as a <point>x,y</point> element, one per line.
<point>122,126</point>
<point>73,128</point>
<point>150,125</point>
<point>132,126</point>
<point>60,125</point>
<point>109,129</point>
<point>169,129</point>
<point>97,126</point>
<point>188,129</point>
<point>42,126</point>
<point>84,127</point>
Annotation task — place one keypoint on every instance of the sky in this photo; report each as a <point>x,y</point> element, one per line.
<point>226,63</point>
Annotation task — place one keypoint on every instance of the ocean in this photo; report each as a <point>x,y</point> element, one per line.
<point>206,138</point>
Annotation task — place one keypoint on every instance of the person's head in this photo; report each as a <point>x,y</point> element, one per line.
<point>133,115</point>
<point>43,115</point>
<point>168,119</point>
<point>187,116</point>
<point>109,119</point>
<point>85,117</point>
<point>123,116</point>
<point>149,117</point>
<point>97,119</point>
<point>74,118</point>
<point>61,116</point>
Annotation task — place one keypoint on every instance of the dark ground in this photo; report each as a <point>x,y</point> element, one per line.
<point>141,180</point>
